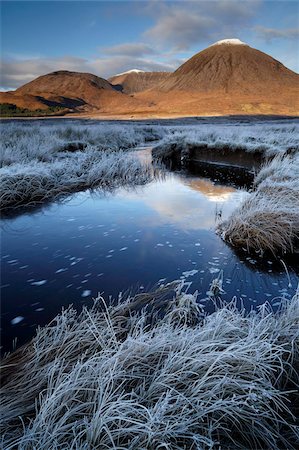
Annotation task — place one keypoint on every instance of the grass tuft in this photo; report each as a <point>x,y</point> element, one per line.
<point>268,220</point>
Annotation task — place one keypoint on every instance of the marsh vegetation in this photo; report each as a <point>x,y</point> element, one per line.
<point>160,368</point>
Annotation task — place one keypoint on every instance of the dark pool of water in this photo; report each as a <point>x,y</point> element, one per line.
<point>67,253</point>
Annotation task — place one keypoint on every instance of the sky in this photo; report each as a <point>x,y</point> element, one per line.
<point>109,37</point>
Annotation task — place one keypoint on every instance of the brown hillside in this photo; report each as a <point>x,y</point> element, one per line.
<point>75,87</point>
<point>23,101</point>
<point>134,81</point>
<point>231,68</point>
<point>82,91</point>
<point>228,77</point>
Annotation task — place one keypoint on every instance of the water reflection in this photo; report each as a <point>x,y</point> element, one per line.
<point>214,192</point>
<point>188,202</point>
<point>93,243</point>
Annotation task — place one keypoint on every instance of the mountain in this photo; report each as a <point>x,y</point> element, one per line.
<point>230,66</point>
<point>229,77</point>
<point>74,90</point>
<point>135,80</point>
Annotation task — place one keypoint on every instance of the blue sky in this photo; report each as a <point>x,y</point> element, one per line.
<point>108,37</point>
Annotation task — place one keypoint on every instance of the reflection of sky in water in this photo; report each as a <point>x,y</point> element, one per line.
<point>68,253</point>
<point>190,203</point>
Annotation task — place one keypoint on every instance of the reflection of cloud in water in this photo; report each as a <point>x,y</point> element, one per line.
<point>190,203</point>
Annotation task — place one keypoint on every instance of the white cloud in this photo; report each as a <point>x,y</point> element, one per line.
<point>130,49</point>
<point>16,72</point>
<point>185,24</point>
<point>274,33</point>
<point>180,28</point>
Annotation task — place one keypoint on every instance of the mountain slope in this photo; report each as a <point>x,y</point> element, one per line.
<point>135,81</point>
<point>229,77</point>
<point>231,66</point>
<point>82,91</point>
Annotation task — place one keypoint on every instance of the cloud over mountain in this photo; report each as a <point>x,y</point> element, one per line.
<point>16,72</point>
<point>273,33</point>
<point>137,49</point>
<point>183,25</point>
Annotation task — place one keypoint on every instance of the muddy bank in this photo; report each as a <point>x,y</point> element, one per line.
<point>237,167</point>
<point>183,155</point>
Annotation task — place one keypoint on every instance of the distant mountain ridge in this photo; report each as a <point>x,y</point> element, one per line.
<point>134,81</point>
<point>228,77</point>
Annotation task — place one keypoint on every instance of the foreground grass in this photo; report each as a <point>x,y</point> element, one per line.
<point>268,220</point>
<point>124,377</point>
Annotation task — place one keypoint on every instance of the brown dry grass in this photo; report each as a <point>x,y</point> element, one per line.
<point>269,219</point>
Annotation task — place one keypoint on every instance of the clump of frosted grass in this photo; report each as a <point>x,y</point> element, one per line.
<point>266,139</point>
<point>28,184</point>
<point>124,377</point>
<point>268,220</point>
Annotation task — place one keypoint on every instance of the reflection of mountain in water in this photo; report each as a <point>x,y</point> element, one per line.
<point>214,192</point>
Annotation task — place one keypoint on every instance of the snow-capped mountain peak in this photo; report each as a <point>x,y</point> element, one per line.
<point>230,42</point>
<point>129,71</point>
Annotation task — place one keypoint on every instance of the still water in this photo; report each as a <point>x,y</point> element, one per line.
<point>132,238</point>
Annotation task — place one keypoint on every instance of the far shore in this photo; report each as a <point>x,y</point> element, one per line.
<point>133,117</point>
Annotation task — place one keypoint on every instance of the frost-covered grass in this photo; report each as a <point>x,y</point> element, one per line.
<point>40,162</point>
<point>268,220</point>
<point>267,139</point>
<point>37,182</point>
<point>43,142</point>
<point>24,142</point>
<point>124,377</point>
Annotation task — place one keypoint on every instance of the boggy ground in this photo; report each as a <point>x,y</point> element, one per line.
<point>40,162</point>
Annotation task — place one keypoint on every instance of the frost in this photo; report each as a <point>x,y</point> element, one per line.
<point>267,138</point>
<point>17,320</point>
<point>39,283</point>
<point>190,273</point>
<point>86,293</point>
<point>37,164</point>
